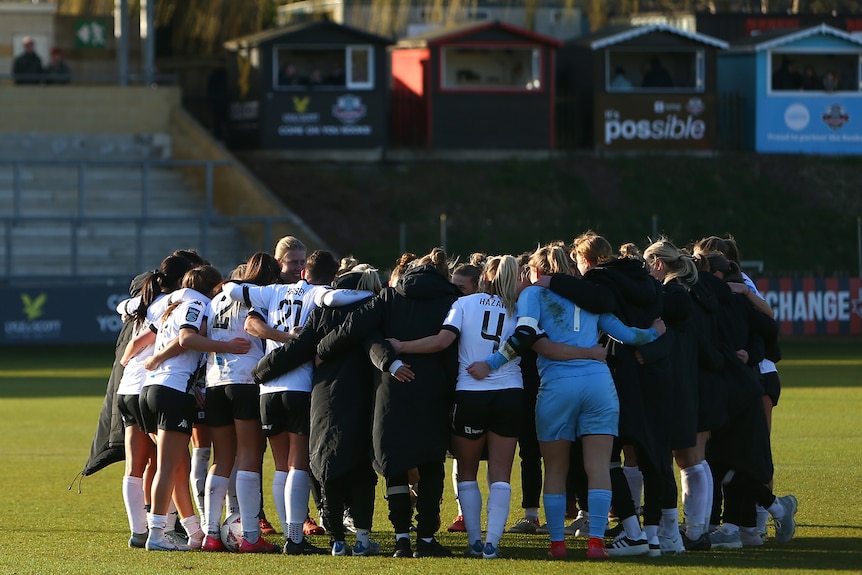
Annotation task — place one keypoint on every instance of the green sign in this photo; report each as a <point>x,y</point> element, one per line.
<point>90,34</point>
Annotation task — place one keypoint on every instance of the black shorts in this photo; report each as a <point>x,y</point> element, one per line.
<point>129,407</point>
<point>477,412</point>
<point>167,409</point>
<point>285,411</point>
<point>771,386</point>
<point>225,403</point>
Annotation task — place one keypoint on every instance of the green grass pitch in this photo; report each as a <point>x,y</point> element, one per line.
<point>50,399</point>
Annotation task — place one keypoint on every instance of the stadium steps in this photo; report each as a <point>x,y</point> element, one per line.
<point>108,216</point>
<point>109,249</point>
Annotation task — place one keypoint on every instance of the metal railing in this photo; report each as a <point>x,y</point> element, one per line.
<point>206,221</point>
<point>146,167</point>
<point>89,79</point>
<point>203,224</point>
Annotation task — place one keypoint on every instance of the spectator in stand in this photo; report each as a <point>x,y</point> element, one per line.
<point>787,77</point>
<point>57,71</point>
<point>620,80</point>
<point>810,79</point>
<point>830,81</point>
<point>657,75</point>
<point>27,67</point>
<point>289,76</point>
<point>315,78</point>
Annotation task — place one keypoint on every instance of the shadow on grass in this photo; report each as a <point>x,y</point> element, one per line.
<point>54,371</point>
<point>806,554</point>
<point>51,388</point>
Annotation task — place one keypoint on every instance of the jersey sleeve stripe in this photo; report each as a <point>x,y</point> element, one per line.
<point>451,328</point>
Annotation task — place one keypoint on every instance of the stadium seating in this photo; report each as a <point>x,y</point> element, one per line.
<point>80,213</point>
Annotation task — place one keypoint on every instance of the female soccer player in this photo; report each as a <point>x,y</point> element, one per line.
<point>697,479</point>
<point>233,414</point>
<point>678,273</point>
<point>168,409</point>
<point>768,370</point>
<point>144,310</point>
<point>341,411</point>
<point>576,399</point>
<point>278,313</point>
<point>466,278</point>
<point>401,265</point>
<point>410,415</point>
<point>739,451</point>
<point>487,412</point>
<point>623,286</point>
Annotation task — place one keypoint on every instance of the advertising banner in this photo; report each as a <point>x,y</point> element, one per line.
<point>655,121</point>
<point>87,315</point>
<point>822,124</point>
<point>67,315</point>
<point>815,306</point>
<point>323,120</point>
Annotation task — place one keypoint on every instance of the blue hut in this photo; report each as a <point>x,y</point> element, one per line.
<point>798,91</point>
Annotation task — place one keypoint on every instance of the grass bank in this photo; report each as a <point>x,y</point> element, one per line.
<point>794,213</point>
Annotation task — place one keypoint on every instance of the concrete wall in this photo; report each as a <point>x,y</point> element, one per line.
<point>87,109</point>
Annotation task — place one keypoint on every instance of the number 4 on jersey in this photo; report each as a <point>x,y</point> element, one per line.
<point>493,336</point>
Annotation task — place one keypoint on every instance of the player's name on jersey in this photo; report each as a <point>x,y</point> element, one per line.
<point>492,302</point>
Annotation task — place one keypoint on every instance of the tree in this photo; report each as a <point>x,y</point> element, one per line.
<point>199,27</point>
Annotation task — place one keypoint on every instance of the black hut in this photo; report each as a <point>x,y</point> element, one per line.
<point>316,85</point>
<point>642,88</point>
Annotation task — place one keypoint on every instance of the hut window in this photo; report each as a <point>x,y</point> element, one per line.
<point>302,68</point>
<point>360,67</point>
<point>495,68</point>
<point>665,71</point>
<point>814,72</point>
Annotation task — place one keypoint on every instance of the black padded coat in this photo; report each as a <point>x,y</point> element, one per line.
<point>742,443</point>
<point>341,394</point>
<point>411,420</point>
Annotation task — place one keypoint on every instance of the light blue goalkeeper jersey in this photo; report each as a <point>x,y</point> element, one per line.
<point>565,322</point>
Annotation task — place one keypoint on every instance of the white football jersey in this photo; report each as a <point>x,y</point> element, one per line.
<point>285,306</point>
<point>483,325</point>
<point>226,321</point>
<point>134,374</point>
<point>176,371</point>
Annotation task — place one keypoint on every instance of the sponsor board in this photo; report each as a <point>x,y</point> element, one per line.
<point>654,121</point>
<point>317,115</point>
<point>87,315</point>
<point>815,306</point>
<point>244,111</point>
<point>810,124</point>
<point>60,315</point>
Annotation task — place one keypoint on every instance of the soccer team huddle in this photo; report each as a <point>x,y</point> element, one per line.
<point>603,367</point>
